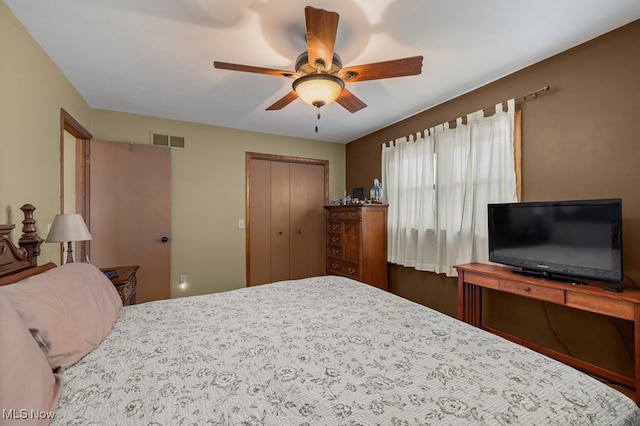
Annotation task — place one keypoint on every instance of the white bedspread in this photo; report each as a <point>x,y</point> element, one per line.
<point>321,351</point>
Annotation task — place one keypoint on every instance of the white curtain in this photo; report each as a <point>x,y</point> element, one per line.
<point>438,186</point>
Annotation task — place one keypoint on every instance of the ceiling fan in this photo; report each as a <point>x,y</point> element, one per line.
<point>319,77</point>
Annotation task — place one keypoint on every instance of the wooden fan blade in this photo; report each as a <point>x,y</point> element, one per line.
<point>284,101</point>
<point>380,70</point>
<point>350,101</point>
<point>257,70</point>
<point>322,28</point>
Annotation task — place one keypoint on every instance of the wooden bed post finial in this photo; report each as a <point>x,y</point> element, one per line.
<point>30,239</point>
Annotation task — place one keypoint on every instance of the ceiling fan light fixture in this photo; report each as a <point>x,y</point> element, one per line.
<point>318,89</point>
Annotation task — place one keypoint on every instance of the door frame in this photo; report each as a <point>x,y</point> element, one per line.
<point>272,157</point>
<point>83,136</point>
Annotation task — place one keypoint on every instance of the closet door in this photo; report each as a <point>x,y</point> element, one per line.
<point>285,216</point>
<point>259,223</point>
<point>280,205</point>
<point>306,256</point>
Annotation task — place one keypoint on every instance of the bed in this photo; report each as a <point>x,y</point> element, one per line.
<point>319,351</point>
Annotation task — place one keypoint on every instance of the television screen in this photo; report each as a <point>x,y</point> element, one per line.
<point>581,238</point>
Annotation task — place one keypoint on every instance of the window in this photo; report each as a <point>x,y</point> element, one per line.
<point>438,186</point>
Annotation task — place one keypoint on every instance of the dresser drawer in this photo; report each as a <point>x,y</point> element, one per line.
<point>482,280</point>
<point>346,213</point>
<point>334,239</point>
<point>547,294</point>
<point>335,226</point>
<point>334,251</point>
<point>345,269</point>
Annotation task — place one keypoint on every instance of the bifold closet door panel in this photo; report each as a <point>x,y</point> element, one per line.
<point>280,228</point>
<point>306,220</point>
<point>260,222</point>
<point>315,221</point>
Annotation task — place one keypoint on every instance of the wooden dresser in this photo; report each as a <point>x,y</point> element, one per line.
<point>357,243</point>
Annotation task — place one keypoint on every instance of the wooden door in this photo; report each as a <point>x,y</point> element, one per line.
<point>259,224</point>
<point>285,216</point>
<point>306,255</point>
<point>130,213</point>
<point>280,207</point>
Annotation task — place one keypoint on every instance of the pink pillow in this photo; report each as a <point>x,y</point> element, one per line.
<point>69,310</point>
<point>27,383</point>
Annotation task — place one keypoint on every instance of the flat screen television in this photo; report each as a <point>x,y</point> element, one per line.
<point>564,240</point>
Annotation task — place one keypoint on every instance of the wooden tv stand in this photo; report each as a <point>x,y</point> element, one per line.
<point>473,277</point>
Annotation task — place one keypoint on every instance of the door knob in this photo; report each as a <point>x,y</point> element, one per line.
<point>164,239</point>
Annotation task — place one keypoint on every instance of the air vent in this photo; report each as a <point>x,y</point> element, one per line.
<point>172,141</point>
<point>176,141</point>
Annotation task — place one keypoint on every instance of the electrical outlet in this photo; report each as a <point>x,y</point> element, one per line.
<point>183,282</point>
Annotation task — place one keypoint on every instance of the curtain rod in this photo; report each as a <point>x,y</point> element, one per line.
<point>533,94</point>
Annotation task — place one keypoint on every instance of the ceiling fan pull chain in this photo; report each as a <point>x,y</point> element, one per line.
<point>317,117</point>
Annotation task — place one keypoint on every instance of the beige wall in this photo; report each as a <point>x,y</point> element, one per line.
<point>32,91</point>
<point>580,140</point>
<point>208,181</point>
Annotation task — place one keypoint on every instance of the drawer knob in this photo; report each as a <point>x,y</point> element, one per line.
<point>527,289</point>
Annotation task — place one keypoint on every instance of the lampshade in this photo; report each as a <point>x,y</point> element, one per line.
<point>318,89</point>
<point>68,227</point>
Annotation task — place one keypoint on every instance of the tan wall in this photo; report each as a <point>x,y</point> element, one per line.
<point>580,140</point>
<point>32,91</point>
<point>208,179</point>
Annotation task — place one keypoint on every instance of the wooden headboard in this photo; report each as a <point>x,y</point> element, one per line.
<point>15,259</point>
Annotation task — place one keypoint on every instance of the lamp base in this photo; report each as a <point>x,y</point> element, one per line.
<point>69,253</point>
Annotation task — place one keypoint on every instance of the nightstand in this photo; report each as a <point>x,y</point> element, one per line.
<point>125,283</point>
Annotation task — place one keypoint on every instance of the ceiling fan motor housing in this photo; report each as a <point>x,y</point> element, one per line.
<point>304,67</point>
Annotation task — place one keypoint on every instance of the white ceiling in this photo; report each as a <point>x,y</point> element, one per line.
<point>155,57</point>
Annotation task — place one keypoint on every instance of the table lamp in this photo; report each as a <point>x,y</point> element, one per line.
<point>68,228</point>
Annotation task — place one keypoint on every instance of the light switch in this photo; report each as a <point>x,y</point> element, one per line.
<point>240,223</point>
